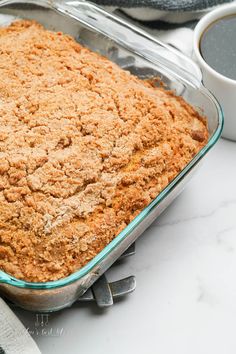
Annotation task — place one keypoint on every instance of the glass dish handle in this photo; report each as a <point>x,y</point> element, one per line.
<point>133,38</point>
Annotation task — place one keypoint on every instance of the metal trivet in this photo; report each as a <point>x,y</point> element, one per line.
<point>104,293</point>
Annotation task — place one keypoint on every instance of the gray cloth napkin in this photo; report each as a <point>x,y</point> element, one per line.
<point>166,5</point>
<point>172,21</point>
<point>165,11</point>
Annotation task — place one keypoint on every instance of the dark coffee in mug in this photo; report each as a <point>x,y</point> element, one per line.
<point>218,46</point>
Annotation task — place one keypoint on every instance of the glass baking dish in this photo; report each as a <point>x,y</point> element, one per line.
<point>146,57</point>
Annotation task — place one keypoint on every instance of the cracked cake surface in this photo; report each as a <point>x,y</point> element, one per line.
<point>84,147</point>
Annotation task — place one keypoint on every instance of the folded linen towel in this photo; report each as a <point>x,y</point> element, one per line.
<point>14,337</point>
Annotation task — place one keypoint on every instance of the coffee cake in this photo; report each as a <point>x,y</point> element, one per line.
<point>84,147</point>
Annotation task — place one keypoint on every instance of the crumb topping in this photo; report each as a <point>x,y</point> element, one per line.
<point>84,147</point>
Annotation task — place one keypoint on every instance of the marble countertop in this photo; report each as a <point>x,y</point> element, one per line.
<point>185,266</point>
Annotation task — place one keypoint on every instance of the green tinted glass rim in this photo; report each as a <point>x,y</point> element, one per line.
<point>8,279</point>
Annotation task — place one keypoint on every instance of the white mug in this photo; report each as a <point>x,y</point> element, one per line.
<point>223,88</point>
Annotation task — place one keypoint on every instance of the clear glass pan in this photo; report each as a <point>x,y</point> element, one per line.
<point>144,56</point>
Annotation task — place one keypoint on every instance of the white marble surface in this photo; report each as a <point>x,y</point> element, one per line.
<point>185,265</point>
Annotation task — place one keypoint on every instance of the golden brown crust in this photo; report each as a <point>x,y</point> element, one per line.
<point>84,147</point>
